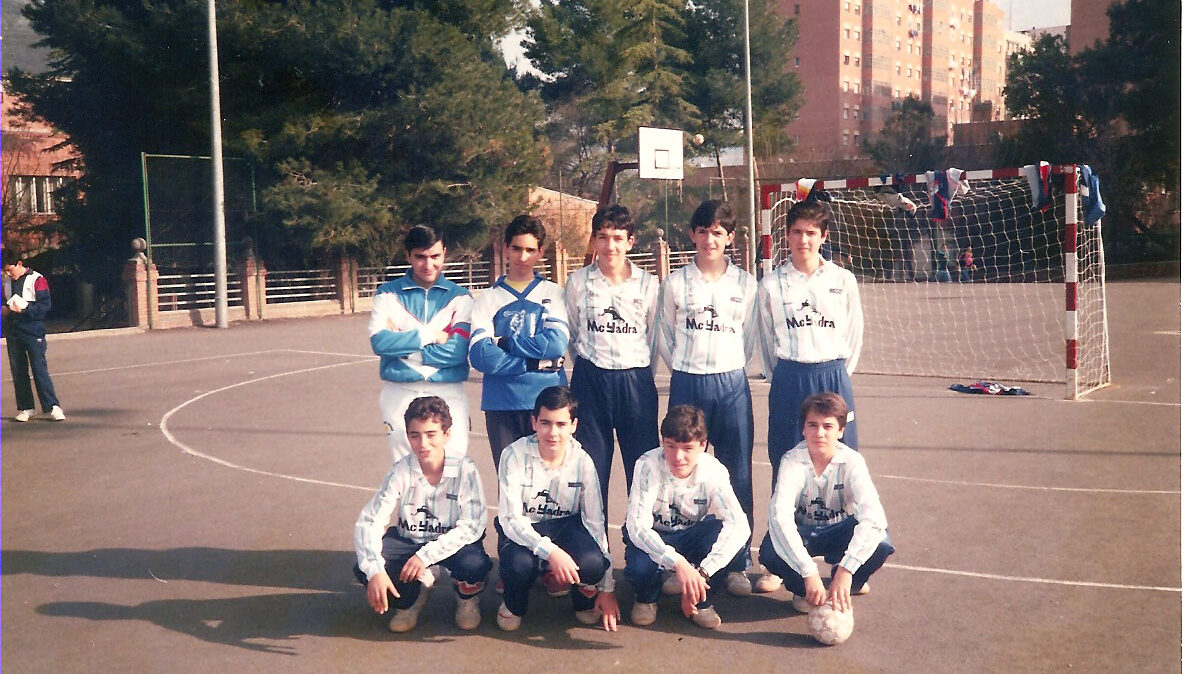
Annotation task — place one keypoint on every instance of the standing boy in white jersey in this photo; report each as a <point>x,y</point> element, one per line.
<point>520,333</point>
<point>811,326</point>
<point>549,510</point>
<point>824,503</point>
<point>420,330</point>
<point>707,327</point>
<point>611,312</point>
<point>440,515</point>
<point>682,516</point>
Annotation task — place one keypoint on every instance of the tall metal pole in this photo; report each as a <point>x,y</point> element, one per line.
<point>220,289</point>
<point>750,263</point>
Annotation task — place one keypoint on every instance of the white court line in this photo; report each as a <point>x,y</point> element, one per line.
<point>1032,487</point>
<point>162,362</point>
<point>164,423</point>
<point>1024,579</point>
<point>223,462</point>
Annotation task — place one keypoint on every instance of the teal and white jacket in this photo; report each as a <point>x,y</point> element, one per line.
<point>405,319</point>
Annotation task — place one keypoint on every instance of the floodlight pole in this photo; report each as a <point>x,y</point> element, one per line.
<point>220,285</point>
<point>750,262</point>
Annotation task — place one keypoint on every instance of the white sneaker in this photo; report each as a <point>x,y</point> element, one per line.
<point>671,586</point>
<point>864,588</point>
<point>507,621</point>
<point>24,415</point>
<point>767,582</point>
<point>800,604</point>
<point>57,414</point>
<point>738,584</point>
<point>587,617</point>
<point>405,618</point>
<point>644,613</point>
<point>468,615</point>
<point>707,618</point>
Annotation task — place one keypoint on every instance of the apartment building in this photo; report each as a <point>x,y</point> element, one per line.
<point>858,59</point>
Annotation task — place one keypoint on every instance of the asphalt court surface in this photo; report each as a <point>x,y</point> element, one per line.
<point>195,513</point>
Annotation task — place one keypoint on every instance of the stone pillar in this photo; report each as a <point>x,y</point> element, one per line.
<point>346,283</point>
<point>662,253</point>
<point>252,276</point>
<point>558,259</point>
<point>140,291</point>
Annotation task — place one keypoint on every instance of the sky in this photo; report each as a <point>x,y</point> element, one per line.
<point>1035,13</point>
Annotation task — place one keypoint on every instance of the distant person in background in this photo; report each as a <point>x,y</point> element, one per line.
<point>942,262</point>
<point>26,302</point>
<point>420,331</point>
<point>967,265</point>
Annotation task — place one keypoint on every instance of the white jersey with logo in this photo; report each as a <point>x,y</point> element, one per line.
<point>445,517</point>
<point>707,327</point>
<point>811,319</point>
<point>613,326</point>
<point>661,502</point>
<point>530,492</point>
<point>801,498</point>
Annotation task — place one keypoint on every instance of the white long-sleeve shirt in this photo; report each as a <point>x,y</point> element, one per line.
<point>708,327</point>
<point>802,498</point>
<point>661,502</point>
<point>445,517</point>
<point>613,326</point>
<point>810,319</point>
<point>529,492</point>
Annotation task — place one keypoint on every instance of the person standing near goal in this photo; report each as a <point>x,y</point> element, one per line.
<point>811,325</point>
<point>420,330</point>
<point>611,311</point>
<point>707,329</point>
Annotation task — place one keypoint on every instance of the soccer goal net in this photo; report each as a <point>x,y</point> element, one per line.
<point>998,290</point>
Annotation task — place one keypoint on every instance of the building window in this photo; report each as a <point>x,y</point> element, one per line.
<point>856,60</point>
<point>845,84</point>
<point>856,87</point>
<point>796,14</point>
<point>847,34</point>
<point>846,59</point>
<point>856,34</point>
<point>856,8</point>
<point>845,139</point>
<point>898,68</point>
<point>796,61</point>
<point>845,115</point>
<point>35,194</point>
<point>909,71</point>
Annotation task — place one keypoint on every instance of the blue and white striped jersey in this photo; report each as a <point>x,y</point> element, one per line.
<point>661,502</point>
<point>445,518</point>
<point>535,325</point>
<point>708,327</point>
<point>405,320</point>
<point>810,319</point>
<point>613,326</point>
<point>801,498</point>
<point>530,492</point>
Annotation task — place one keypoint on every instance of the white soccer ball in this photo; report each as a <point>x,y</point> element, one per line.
<point>829,626</point>
<point>698,139</point>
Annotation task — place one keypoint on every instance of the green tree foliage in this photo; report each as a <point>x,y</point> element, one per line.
<point>364,116</point>
<point>1115,106</point>
<point>610,67</point>
<point>908,143</point>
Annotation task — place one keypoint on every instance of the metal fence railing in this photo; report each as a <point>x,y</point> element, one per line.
<point>473,274</point>
<point>304,285</point>
<point>176,292</point>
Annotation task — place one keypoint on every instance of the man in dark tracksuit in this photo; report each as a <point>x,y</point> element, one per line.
<point>26,302</point>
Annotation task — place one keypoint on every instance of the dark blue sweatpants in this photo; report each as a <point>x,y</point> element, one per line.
<point>729,412</point>
<point>790,385</point>
<point>518,567</point>
<point>469,565</point>
<point>831,542</point>
<point>694,543</point>
<point>625,401</point>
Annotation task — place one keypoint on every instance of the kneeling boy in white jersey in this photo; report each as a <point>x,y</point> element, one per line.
<point>549,510</point>
<point>682,516</point>
<point>441,519</point>
<point>824,503</point>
